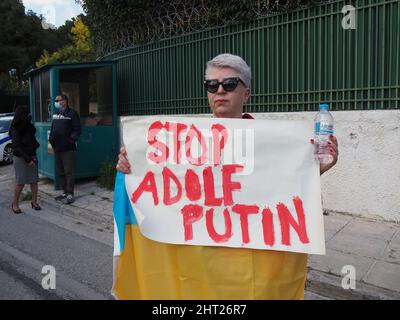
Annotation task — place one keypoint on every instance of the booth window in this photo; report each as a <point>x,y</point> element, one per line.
<point>36,86</point>
<point>45,97</point>
<point>42,100</point>
<point>90,94</point>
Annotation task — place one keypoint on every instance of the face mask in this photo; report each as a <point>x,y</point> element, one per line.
<point>57,105</point>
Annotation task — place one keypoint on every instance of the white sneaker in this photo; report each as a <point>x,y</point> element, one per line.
<point>60,197</point>
<point>68,199</point>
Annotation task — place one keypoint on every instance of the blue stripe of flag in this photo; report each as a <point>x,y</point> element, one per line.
<point>123,212</point>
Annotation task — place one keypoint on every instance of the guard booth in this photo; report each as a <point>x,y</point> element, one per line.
<point>92,92</point>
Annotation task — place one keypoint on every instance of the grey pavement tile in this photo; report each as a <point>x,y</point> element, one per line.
<point>334,261</point>
<point>81,202</point>
<point>308,295</point>
<point>392,255</point>
<point>101,207</point>
<point>46,187</point>
<point>46,182</point>
<point>97,188</point>
<point>333,223</point>
<point>104,194</point>
<point>385,275</point>
<point>107,205</point>
<point>359,245</point>
<point>364,237</point>
<point>392,252</point>
<point>87,188</point>
<point>91,199</point>
<point>396,238</point>
<point>91,182</point>
<point>370,229</point>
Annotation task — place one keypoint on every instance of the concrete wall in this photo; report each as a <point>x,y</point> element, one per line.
<point>366,179</point>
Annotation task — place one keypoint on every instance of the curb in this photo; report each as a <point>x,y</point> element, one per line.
<point>89,216</point>
<point>329,285</point>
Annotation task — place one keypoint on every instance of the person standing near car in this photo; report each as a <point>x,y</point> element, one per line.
<point>64,134</point>
<point>22,133</point>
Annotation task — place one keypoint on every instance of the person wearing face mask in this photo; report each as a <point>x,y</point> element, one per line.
<point>22,133</point>
<point>64,134</point>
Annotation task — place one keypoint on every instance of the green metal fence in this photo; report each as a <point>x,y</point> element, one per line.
<point>298,60</point>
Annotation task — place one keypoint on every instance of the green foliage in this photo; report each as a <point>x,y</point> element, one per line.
<point>22,41</point>
<point>64,31</point>
<point>80,50</point>
<point>107,175</point>
<point>106,18</point>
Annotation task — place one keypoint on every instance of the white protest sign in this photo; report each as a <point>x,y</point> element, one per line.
<point>225,182</point>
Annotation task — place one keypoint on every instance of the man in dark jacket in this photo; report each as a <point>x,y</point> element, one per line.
<point>64,134</point>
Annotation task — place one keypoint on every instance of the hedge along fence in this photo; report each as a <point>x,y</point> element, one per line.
<point>298,59</point>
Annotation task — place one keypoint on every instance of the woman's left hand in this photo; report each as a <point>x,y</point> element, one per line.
<point>333,150</point>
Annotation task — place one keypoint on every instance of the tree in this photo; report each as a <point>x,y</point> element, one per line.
<point>80,49</point>
<point>22,41</point>
<point>64,31</point>
<point>11,34</point>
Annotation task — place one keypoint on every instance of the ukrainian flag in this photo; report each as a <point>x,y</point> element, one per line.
<point>146,269</point>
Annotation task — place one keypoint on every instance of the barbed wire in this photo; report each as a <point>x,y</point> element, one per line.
<point>180,17</point>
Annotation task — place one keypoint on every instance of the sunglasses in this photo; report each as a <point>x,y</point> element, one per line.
<point>229,84</point>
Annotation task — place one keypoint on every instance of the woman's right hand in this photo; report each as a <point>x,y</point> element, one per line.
<point>123,163</point>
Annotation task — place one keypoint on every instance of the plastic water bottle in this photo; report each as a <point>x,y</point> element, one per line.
<point>323,128</point>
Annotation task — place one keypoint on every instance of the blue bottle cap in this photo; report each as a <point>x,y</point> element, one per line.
<point>324,106</point>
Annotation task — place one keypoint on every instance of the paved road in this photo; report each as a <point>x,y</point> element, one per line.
<point>80,253</point>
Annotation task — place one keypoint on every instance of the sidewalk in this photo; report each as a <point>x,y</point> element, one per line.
<point>93,204</point>
<point>371,246</point>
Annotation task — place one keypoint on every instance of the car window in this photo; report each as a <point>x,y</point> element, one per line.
<point>4,125</point>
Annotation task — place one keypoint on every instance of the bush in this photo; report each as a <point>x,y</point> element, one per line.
<point>107,175</point>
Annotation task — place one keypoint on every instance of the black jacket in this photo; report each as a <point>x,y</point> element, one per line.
<point>24,142</point>
<point>65,130</point>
